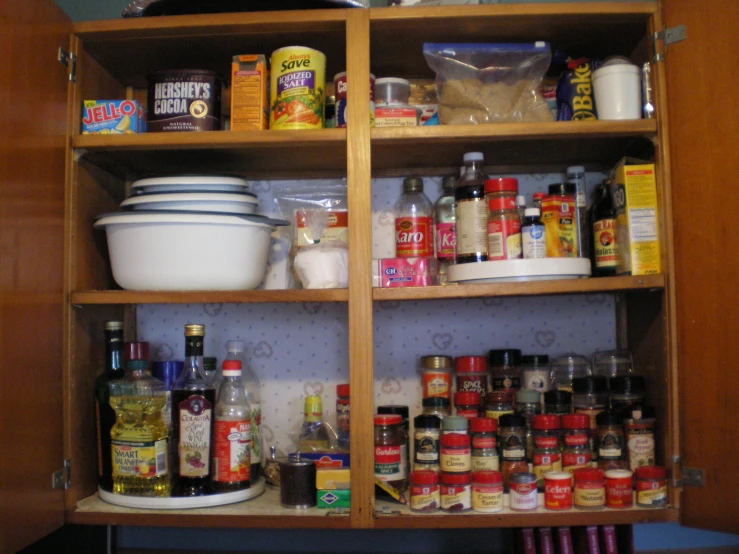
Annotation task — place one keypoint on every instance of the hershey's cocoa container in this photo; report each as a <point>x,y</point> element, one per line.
<point>184,100</point>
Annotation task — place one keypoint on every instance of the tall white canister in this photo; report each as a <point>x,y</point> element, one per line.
<point>617,90</point>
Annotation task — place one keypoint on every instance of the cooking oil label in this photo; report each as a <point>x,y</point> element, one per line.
<point>196,415</point>
<point>139,459</point>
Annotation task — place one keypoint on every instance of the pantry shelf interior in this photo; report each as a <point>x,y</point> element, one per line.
<point>185,297</point>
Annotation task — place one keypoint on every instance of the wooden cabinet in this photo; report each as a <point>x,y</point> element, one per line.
<point>663,318</point>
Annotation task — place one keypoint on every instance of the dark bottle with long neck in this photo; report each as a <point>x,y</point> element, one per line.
<point>104,413</point>
<point>193,403</point>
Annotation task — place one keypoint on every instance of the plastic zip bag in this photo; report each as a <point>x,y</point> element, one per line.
<point>489,83</point>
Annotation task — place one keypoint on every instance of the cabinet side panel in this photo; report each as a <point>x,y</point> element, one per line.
<point>33,94</point>
<point>704,128</point>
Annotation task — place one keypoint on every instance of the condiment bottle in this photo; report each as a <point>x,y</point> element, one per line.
<point>619,488</point>
<point>535,372</point>
<point>471,374</point>
<point>505,369</point>
<point>521,207</point>
<point>314,435</point>
<point>536,199</point>
<point>559,215</point>
<point>232,441</point>
<point>454,424</point>
<point>413,221</point>
<point>558,490</point>
<point>467,404</point>
<point>471,211</point>
<point>610,441</point>
<point>533,238</point>
<point>484,444</point>
<point>547,457</point>
<point>426,433</point>
<point>403,412</point>
<point>504,223</point>
<point>595,197</point>
<point>512,434</point>
<point>639,424</point>
<point>445,235</point>
<point>576,452</point>
<point>487,491</point>
<point>390,439</point>
<point>436,376</point>
<point>605,247</point>
<point>425,491</point>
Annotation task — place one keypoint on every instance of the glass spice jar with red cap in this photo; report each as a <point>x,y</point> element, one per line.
<point>576,452</point>
<point>487,491</point>
<point>484,444</point>
<point>651,486</point>
<point>471,373</point>
<point>590,488</point>
<point>504,223</point>
<point>467,404</point>
<point>425,491</point>
<point>547,458</point>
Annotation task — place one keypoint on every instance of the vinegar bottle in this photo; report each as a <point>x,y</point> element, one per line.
<point>413,229</point>
<point>471,212</point>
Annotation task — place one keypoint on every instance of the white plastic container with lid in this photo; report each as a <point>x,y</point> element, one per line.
<point>617,89</point>
<point>392,90</point>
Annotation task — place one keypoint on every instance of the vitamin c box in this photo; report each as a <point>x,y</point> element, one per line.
<point>111,117</point>
<point>249,103</point>
<point>634,193</point>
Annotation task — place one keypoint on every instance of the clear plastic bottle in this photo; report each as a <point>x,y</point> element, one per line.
<point>471,211</point>
<point>232,441</point>
<point>445,237</point>
<point>413,221</point>
<point>576,175</point>
<point>314,434</point>
<point>533,238</point>
<point>236,350</point>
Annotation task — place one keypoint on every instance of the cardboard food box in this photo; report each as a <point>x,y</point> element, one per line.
<point>112,117</point>
<point>249,102</point>
<point>634,193</point>
<point>406,272</point>
<point>327,459</point>
<point>338,498</point>
<point>333,478</point>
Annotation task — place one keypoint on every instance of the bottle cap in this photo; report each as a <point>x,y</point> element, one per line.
<point>562,189</point>
<point>609,417</point>
<point>137,365</point>
<point>558,476</point>
<point>511,420</point>
<point>435,362</point>
<point>545,421</point>
<point>402,411</point>
<point>467,398</point>
<point>488,477</point>
<point>413,184</point>
<point>435,402</point>
<point>167,372</point>
<point>532,212</point>
<point>522,478</point>
<point>575,421</point>
<point>471,364</point>
<point>539,360</point>
<point>618,474</point>
<point>232,368</point>
<point>539,195</point>
<point>650,472</point>
<point>594,384</point>
<point>640,412</point>
<point>499,397</point>
<point>501,184</point>
<point>449,182</point>
<point>136,351</point>
<point>113,326</point>
<point>558,397</point>
<point>455,423</point>
<point>504,357</point>
<point>483,425</point>
<point>588,474</point>
<point>388,419</point>
<point>235,346</point>
<point>521,200</point>
<point>574,169</point>
<point>455,439</point>
<point>424,477</point>
<point>473,157</point>
<point>527,396</point>
<point>455,478</point>
<point>194,330</point>
<point>627,384</point>
<point>426,421</point>
<point>313,407</point>
<point>342,389</point>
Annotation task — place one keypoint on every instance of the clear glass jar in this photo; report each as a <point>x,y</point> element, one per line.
<point>390,439</point>
<point>436,376</point>
<point>590,397</point>
<point>471,374</point>
<point>547,457</point>
<point>505,369</point>
<point>498,404</point>
<point>558,402</point>
<point>610,363</point>
<point>609,441</point>
<point>528,404</point>
<point>568,367</point>
<point>484,444</point>
<point>425,491</point>
<point>576,452</point>
<point>627,391</point>
<point>426,436</point>
<point>504,222</point>
<point>467,404</point>
<point>535,371</point>
<point>512,435</point>
<point>436,405</point>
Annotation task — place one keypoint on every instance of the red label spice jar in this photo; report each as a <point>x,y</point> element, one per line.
<point>436,376</point>
<point>456,492</point>
<point>590,489</point>
<point>425,491</point>
<point>390,438</point>
<point>547,457</point>
<point>467,404</point>
<point>651,487</point>
<point>512,434</point>
<point>576,453</point>
<point>455,453</point>
<point>619,488</point>
<point>523,492</point>
<point>498,403</point>
<point>484,444</point>
<point>487,491</point>
<point>471,374</point>
<point>558,491</point>
<point>504,223</point>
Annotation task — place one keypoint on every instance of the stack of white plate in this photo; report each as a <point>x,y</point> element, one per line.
<point>192,193</point>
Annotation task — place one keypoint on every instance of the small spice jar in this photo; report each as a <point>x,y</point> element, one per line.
<point>467,404</point>
<point>504,223</point>
<point>505,369</point>
<point>627,391</point>
<point>435,405</point>
<point>425,491</point>
<point>639,422</point>
<point>512,434</point>
<point>487,491</point>
<point>576,452</point>
<point>619,488</point>
<point>426,451</point>
<point>547,458</point>
<point>498,403</point>
<point>390,439</point>
<point>523,495</point>
<point>590,489</point>
<point>455,453</point>
<point>436,376</point>
<point>471,374</point>
<point>528,404</point>
<point>456,492</point>
<point>651,486</point>
<point>484,444</point>
<point>590,397</point>
<point>558,490</point>
<point>568,367</point>
<point>558,402</point>
<point>609,441</point>
<point>535,372</point>
<point>454,424</point>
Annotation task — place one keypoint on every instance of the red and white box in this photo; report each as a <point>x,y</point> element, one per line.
<point>406,272</point>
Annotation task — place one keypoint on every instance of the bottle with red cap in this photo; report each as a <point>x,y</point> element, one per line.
<point>471,374</point>
<point>483,437</point>
<point>576,452</point>
<point>425,494</point>
<point>504,223</point>
<point>651,486</point>
<point>467,404</point>
<point>487,491</point>
<point>547,458</point>
<point>413,221</point>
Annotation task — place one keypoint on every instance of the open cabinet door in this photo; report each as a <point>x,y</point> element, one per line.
<point>33,129</point>
<point>702,79</point>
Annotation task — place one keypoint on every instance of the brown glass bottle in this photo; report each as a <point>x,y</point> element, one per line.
<point>604,235</point>
<point>471,212</point>
<point>193,403</point>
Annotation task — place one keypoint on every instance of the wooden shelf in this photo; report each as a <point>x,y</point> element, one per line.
<point>533,288</point>
<point>253,154</point>
<point>512,147</point>
<point>89,297</point>
<point>261,512</point>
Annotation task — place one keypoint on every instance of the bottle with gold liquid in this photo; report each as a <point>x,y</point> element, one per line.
<point>314,434</point>
<point>139,436</point>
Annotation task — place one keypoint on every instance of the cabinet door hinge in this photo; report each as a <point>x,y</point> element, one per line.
<point>689,476</point>
<point>62,479</point>
<point>666,37</point>
<point>69,60</point>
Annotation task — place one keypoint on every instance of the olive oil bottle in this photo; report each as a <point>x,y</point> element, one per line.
<point>139,436</point>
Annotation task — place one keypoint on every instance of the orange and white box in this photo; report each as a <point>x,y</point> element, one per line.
<point>249,103</point>
<point>395,116</point>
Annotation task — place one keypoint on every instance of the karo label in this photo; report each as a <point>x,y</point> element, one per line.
<point>413,237</point>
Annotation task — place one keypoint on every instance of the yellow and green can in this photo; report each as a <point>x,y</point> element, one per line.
<point>297,91</point>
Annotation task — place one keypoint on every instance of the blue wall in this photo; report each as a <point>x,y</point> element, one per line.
<point>647,537</point>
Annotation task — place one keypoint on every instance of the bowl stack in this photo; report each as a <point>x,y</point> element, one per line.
<point>190,232</point>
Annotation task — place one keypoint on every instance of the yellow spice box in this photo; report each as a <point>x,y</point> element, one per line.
<point>333,478</point>
<point>634,192</point>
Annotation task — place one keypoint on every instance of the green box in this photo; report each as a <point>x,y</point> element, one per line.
<point>338,498</point>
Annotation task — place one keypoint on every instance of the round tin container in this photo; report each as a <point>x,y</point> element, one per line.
<point>297,483</point>
<point>524,495</point>
<point>183,100</point>
<point>297,88</point>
